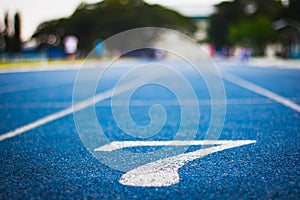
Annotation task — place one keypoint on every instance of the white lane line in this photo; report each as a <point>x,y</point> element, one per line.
<point>164,172</point>
<point>187,102</point>
<point>115,145</point>
<point>146,102</point>
<point>35,105</point>
<point>25,86</point>
<point>18,88</point>
<point>57,115</point>
<point>260,90</point>
<point>76,107</point>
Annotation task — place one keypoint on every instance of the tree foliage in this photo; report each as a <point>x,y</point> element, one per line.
<point>17,34</point>
<point>239,19</point>
<point>292,11</point>
<point>12,34</point>
<point>256,32</point>
<point>90,22</point>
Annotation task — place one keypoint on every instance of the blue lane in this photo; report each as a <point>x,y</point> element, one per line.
<point>50,162</point>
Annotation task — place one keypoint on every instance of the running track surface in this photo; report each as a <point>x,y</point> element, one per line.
<point>49,161</point>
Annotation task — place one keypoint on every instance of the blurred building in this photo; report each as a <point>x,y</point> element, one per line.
<point>202,25</point>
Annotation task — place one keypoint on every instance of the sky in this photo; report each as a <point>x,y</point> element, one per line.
<point>34,12</point>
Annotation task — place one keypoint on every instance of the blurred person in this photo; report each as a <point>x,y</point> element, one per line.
<point>245,54</point>
<point>70,45</point>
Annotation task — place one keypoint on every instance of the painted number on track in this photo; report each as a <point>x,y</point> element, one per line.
<point>164,172</point>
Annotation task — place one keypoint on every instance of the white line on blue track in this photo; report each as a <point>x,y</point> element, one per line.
<point>260,90</point>
<point>109,93</point>
<point>78,106</point>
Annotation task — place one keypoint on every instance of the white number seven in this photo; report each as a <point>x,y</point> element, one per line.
<point>164,172</point>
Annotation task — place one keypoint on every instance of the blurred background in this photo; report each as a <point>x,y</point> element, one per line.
<point>38,30</point>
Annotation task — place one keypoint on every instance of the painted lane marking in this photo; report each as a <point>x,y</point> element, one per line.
<point>79,106</point>
<point>141,103</point>
<point>260,90</point>
<point>164,172</point>
<point>19,88</point>
<point>27,86</point>
<point>116,145</point>
<point>57,115</point>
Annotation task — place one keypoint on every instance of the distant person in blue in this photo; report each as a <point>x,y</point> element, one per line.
<point>245,54</point>
<point>99,48</point>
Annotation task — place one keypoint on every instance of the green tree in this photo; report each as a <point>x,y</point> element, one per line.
<point>256,32</point>
<point>288,26</point>
<point>226,14</point>
<point>230,16</point>
<point>12,34</point>
<point>7,34</point>
<point>17,34</point>
<point>90,22</point>
<point>291,11</point>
